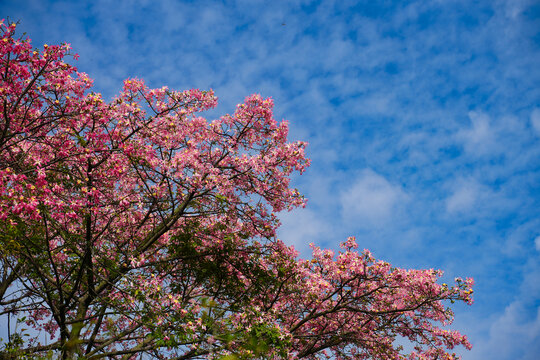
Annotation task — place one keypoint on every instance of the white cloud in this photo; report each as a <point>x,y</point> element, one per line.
<point>301,227</point>
<point>480,137</point>
<point>371,200</point>
<point>535,120</point>
<point>513,337</point>
<point>518,240</point>
<point>464,197</point>
<point>468,195</point>
<point>475,196</point>
<point>514,334</point>
<point>514,8</point>
<point>374,104</point>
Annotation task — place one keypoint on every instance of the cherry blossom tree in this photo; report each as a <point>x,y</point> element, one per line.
<point>136,228</point>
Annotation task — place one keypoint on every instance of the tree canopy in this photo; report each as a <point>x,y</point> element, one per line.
<point>135,228</point>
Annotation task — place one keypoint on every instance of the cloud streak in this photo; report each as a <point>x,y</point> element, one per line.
<point>371,201</point>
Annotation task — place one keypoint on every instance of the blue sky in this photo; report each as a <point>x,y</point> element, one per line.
<point>423,119</point>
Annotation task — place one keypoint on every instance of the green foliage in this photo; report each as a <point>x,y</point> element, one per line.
<point>262,341</point>
<point>11,349</point>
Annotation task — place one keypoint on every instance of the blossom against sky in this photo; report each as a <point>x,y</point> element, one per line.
<point>423,119</point>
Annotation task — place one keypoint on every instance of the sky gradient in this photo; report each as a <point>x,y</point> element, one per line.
<point>422,117</point>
